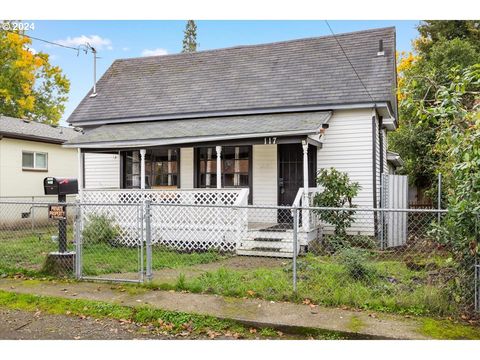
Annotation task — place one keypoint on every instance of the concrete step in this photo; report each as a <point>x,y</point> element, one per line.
<point>250,244</point>
<point>281,254</point>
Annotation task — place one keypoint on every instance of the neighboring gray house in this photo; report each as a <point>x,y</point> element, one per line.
<point>264,117</point>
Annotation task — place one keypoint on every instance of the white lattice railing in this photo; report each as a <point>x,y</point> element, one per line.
<point>175,223</point>
<point>309,219</point>
<point>188,197</point>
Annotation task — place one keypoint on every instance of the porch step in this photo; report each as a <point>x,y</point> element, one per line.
<point>278,244</point>
<point>266,253</point>
<point>268,239</point>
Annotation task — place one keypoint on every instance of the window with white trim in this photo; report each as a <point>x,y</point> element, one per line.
<point>34,160</point>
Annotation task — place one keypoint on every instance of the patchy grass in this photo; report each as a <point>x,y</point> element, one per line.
<point>169,321</point>
<point>448,330</point>
<point>390,287</point>
<point>409,284</point>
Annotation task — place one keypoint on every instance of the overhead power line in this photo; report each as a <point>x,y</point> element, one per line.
<point>346,56</point>
<point>86,47</point>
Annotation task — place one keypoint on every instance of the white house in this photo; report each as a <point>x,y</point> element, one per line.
<point>263,118</point>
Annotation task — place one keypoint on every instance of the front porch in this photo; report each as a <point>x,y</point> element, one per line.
<point>220,165</point>
<point>200,220</point>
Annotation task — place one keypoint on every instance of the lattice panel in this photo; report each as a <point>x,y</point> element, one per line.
<point>125,220</point>
<point>187,228</point>
<point>182,227</point>
<point>189,197</point>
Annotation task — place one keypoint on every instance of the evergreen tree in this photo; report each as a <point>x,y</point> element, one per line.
<point>190,37</point>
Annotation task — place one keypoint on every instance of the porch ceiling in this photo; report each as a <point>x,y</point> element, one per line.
<point>200,130</point>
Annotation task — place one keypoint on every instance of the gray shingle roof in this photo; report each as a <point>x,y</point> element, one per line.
<point>31,130</point>
<point>194,130</point>
<point>304,72</point>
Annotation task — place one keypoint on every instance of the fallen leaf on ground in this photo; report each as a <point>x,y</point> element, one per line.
<point>252,330</point>
<point>307,301</point>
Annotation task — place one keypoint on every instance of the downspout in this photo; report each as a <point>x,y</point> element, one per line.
<point>374,161</point>
<point>374,175</point>
<point>380,144</point>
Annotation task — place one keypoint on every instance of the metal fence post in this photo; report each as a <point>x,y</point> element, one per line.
<point>382,214</point>
<point>295,248</point>
<point>477,269</point>
<point>439,201</point>
<point>148,239</point>
<point>78,240</point>
<point>32,211</point>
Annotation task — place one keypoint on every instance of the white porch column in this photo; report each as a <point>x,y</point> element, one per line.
<point>81,185</point>
<point>219,166</point>
<point>142,169</point>
<point>305,214</point>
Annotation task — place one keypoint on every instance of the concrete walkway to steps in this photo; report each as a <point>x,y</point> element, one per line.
<point>254,312</point>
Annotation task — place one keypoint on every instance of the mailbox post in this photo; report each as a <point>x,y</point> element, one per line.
<point>62,260</point>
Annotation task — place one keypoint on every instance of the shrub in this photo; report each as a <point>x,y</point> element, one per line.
<point>338,192</point>
<point>101,229</point>
<point>355,262</point>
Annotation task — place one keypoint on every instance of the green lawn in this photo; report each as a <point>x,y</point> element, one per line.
<point>26,253</point>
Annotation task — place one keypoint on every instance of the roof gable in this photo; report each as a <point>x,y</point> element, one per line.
<point>297,73</point>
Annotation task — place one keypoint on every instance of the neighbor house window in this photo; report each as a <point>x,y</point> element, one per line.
<point>161,168</point>
<point>33,160</point>
<point>236,165</point>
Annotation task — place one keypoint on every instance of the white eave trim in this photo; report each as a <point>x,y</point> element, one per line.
<point>378,105</point>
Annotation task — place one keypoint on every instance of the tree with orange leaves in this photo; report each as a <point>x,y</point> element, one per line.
<point>30,86</point>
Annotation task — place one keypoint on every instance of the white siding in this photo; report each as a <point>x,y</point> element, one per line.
<point>348,147</point>
<point>264,180</point>
<point>102,171</point>
<point>186,168</point>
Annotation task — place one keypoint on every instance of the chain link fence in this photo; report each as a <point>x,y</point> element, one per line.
<point>381,259</point>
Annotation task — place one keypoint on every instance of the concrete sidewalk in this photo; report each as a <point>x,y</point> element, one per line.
<point>279,315</point>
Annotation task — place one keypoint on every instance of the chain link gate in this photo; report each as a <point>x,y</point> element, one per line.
<point>110,242</point>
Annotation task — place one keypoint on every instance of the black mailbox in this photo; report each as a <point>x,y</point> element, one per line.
<point>60,186</point>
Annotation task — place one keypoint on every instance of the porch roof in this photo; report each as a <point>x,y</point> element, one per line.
<point>174,132</point>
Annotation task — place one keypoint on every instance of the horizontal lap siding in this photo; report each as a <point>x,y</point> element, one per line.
<point>102,171</point>
<point>264,181</point>
<point>186,168</point>
<point>348,148</point>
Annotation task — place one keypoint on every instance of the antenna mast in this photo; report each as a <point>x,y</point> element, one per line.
<point>94,52</point>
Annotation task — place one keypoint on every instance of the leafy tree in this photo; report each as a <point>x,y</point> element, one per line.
<point>434,31</point>
<point>338,192</point>
<point>457,110</point>
<point>30,87</point>
<point>190,37</point>
<point>420,75</point>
